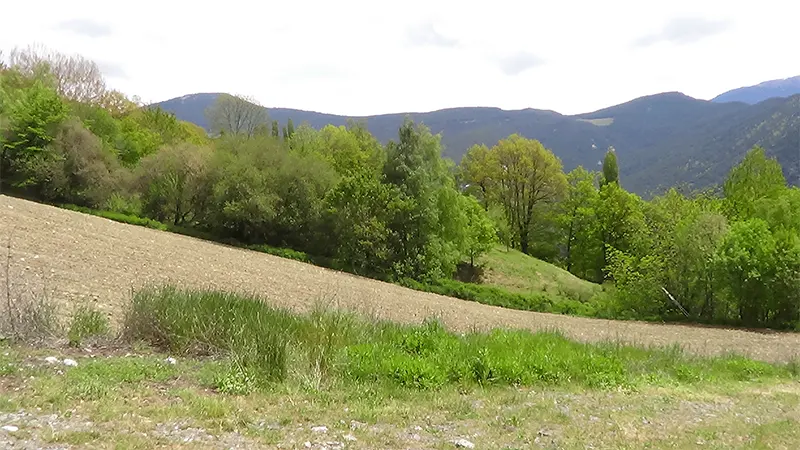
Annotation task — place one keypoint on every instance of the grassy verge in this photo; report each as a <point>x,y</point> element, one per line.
<point>266,344</point>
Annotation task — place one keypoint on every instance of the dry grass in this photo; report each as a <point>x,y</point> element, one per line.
<point>79,258</point>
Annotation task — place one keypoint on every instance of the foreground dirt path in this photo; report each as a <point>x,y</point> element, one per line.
<point>77,257</point>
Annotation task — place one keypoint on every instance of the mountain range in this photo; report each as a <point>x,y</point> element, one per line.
<point>762,91</point>
<point>662,140</point>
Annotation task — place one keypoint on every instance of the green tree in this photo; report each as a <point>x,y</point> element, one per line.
<point>692,266</point>
<point>34,115</point>
<point>289,129</point>
<point>745,262</point>
<point>578,224</point>
<point>359,208</point>
<point>610,167</point>
<point>621,223</point>
<point>174,183</point>
<point>275,129</point>
<point>80,169</point>
<point>475,171</point>
<point>351,150</point>
<point>525,175</point>
<point>424,238</point>
<point>753,180</point>
<point>481,234</point>
<point>236,115</point>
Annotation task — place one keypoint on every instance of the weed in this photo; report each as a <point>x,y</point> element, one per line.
<point>237,380</point>
<point>87,323</point>
<point>28,318</point>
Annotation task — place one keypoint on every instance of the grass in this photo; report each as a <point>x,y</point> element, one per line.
<point>87,323</point>
<point>517,272</point>
<point>210,368</point>
<point>265,344</point>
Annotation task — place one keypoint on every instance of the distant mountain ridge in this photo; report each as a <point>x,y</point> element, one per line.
<point>663,140</point>
<point>751,95</point>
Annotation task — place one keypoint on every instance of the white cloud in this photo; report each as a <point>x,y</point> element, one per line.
<point>353,56</point>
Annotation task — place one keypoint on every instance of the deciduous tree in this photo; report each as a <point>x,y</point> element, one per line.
<point>524,175</point>
<point>236,115</point>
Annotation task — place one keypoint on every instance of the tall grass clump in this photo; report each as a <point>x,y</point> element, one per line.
<point>87,323</point>
<point>253,334</point>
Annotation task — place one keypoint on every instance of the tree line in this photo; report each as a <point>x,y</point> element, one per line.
<point>729,256</point>
<point>401,211</point>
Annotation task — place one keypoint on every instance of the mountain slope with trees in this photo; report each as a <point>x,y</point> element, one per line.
<point>664,139</point>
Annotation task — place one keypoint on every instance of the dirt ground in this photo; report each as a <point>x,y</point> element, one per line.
<point>75,257</point>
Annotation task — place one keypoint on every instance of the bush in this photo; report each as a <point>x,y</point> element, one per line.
<point>78,169</point>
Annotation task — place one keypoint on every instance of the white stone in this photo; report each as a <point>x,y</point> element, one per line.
<point>171,360</point>
<point>463,443</point>
<point>307,444</point>
<point>70,362</point>
<point>350,437</point>
<point>52,360</point>
<point>320,429</point>
<point>10,428</point>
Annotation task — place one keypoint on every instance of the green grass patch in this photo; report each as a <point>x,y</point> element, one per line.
<point>514,271</point>
<point>87,323</point>
<point>497,296</point>
<point>118,217</point>
<point>264,344</point>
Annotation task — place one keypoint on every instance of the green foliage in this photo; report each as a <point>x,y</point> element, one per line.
<point>420,357</point>
<point>33,115</point>
<point>746,265</point>
<point>402,211</point>
<point>578,223</point>
<point>424,238</point>
<point>79,169</point>
<point>174,183</point>
<point>755,179</point>
<point>480,233</point>
<point>610,167</point>
<point>87,323</point>
<point>289,129</point>
<point>524,176</point>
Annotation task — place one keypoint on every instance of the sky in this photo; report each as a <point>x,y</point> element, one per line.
<point>362,57</point>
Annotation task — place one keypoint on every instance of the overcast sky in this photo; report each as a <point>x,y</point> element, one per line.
<point>357,57</point>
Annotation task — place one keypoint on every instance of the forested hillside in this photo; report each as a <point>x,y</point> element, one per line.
<point>399,211</point>
<point>663,140</point>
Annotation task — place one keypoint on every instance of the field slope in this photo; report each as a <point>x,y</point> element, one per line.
<point>76,257</point>
<point>518,272</point>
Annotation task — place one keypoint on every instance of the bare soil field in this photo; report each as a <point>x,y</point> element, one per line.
<point>73,257</point>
